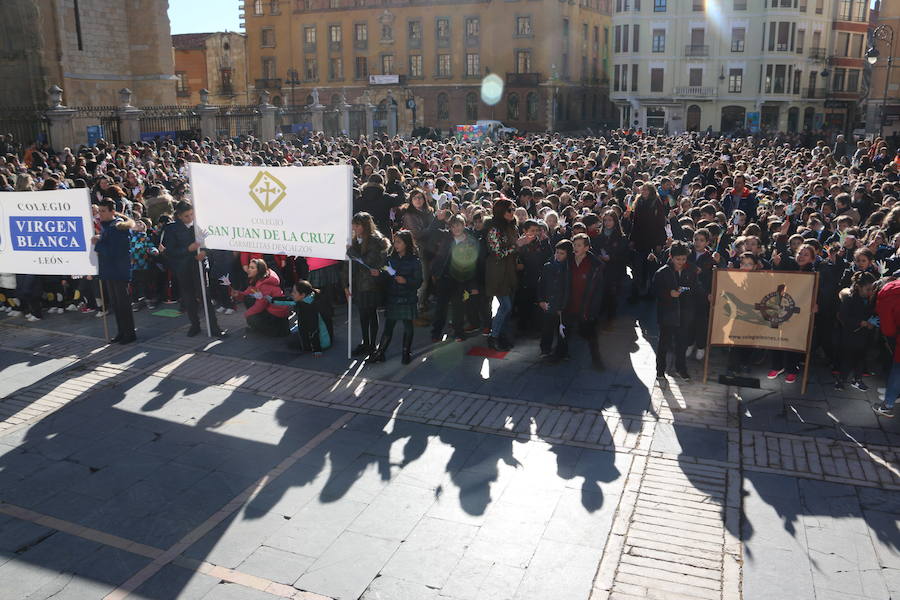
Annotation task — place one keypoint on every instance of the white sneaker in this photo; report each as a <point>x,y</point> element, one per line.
<point>71,308</point>
<point>57,310</point>
<point>701,354</point>
<point>31,318</point>
<point>101,314</point>
<point>220,309</point>
<point>6,308</point>
<point>229,311</point>
<point>690,350</point>
<point>15,313</point>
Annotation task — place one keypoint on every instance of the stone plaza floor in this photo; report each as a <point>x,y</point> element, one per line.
<point>188,468</point>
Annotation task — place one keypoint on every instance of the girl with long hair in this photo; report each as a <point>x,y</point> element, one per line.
<point>368,254</point>
<point>263,285</point>
<point>500,268</point>
<point>405,271</point>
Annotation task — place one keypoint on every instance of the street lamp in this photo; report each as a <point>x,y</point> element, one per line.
<point>882,33</point>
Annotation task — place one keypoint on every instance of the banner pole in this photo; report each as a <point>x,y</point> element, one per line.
<point>809,334</point>
<point>350,313</point>
<point>203,292</point>
<point>712,306</point>
<point>105,310</point>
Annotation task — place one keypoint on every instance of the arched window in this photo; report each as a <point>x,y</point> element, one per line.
<point>512,107</point>
<point>443,107</point>
<point>531,106</point>
<point>693,118</point>
<point>733,117</point>
<point>471,107</point>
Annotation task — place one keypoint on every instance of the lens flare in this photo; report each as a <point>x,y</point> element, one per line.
<point>491,89</point>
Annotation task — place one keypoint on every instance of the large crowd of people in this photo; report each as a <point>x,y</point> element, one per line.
<point>540,236</point>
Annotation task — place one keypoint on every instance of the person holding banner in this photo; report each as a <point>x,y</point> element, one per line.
<point>113,247</point>
<point>368,255</point>
<point>180,245</point>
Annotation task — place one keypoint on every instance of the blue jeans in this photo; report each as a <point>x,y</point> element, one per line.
<point>503,311</point>
<point>893,386</point>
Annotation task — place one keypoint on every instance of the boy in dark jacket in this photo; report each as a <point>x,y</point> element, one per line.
<point>585,298</point>
<point>675,286</point>
<point>553,296</point>
<point>855,315</point>
<point>531,259</point>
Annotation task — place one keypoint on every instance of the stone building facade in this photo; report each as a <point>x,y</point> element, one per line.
<point>551,56</point>
<point>90,48</point>
<point>779,65</point>
<point>215,62</point>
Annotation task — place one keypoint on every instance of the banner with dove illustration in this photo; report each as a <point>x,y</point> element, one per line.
<point>763,309</point>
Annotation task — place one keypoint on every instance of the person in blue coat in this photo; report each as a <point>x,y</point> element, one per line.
<point>113,247</point>
<point>404,270</point>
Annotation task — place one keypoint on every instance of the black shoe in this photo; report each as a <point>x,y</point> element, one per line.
<point>660,374</point>
<point>221,334</point>
<point>376,357</point>
<point>497,344</point>
<point>193,332</point>
<point>361,350</point>
<point>633,299</point>
<point>839,386</point>
<point>116,339</point>
<point>684,375</point>
<point>406,358</point>
<point>859,385</point>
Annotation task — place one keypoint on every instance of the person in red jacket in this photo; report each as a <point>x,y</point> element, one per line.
<point>888,308</point>
<point>265,317</point>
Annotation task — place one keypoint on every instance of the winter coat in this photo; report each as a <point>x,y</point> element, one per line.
<point>648,224</point>
<point>410,268</point>
<point>616,247</point>
<point>378,203</point>
<point>556,280</point>
<point>176,238</point>
<point>313,319</point>
<point>500,263</point>
<point>854,309</point>
<point>532,257</point>
<point>270,287</point>
<point>114,252</point>
<point>374,255</point>
<point>462,262</point>
<point>676,312</point>
<point>888,307</point>
<point>592,301</point>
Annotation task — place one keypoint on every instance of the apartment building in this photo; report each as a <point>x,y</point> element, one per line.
<point>724,65</point>
<point>432,56</point>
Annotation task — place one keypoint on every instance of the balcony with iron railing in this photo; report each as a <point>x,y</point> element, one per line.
<point>814,93</point>
<point>268,84</point>
<point>696,50</point>
<point>818,53</point>
<point>523,79</point>
<point>696,91</point>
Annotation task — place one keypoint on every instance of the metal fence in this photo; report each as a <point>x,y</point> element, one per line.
<point>234,121</point>
<point>294,120</point>
<point>177,122</point>
<point>357,122</point>
<point>27,124</point>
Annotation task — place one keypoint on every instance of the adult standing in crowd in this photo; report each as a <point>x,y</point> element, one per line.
<point>113,247</point>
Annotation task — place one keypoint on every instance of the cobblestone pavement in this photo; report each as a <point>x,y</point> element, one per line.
<point>225,470</point>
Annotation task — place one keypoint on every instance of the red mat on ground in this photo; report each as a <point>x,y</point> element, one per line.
<point>486,352</point>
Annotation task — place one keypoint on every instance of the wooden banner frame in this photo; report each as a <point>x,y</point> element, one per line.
<point>809,330</point>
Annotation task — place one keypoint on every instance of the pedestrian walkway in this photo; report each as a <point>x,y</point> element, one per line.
<point>202,473</point>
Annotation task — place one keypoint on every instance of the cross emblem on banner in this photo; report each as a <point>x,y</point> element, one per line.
<point>267,191</point>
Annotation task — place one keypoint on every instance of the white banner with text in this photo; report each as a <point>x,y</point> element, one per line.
<point>297,211</point>
<point>47,233</point>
